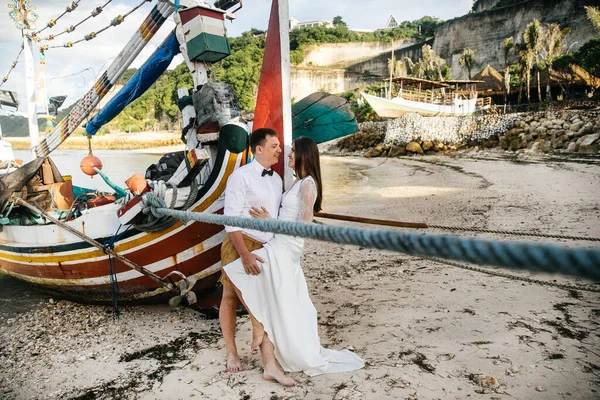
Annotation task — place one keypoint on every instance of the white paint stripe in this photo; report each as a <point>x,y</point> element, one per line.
<point>203,24</point>
<point>198,30</point>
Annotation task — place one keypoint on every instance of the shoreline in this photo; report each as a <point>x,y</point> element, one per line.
<point>426,330</point>
<point>139,141</point>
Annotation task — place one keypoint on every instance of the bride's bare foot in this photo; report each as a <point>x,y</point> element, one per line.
<point>258,334</point>
<point>234,364</point>
<point>275,374</point>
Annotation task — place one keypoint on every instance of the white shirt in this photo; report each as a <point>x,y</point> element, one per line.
<point>247,188</point>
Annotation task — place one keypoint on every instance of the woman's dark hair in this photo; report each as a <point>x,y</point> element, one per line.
<point>307,163</point>
<point>259,137</point>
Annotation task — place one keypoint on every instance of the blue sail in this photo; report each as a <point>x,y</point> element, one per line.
<point>138,84</point>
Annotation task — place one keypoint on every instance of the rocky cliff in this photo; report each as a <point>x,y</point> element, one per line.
<point>485,31</point>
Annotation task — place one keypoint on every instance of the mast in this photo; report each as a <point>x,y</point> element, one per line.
<point>24,17</point>
<point>34,134</point>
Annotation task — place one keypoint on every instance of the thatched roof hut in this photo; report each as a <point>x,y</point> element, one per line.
<point>574,75</point>
<point>492,81</point>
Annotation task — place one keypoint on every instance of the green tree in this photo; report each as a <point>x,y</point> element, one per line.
<point>508,45</point>
<point>338,21</point>
<point>532,38</point>
<point>526,61</point>
<point>430,66</point>
<point>588,57</point>
<point>552,46</point>
<point>467,61</point>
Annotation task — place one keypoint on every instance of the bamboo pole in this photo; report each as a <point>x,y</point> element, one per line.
<point>372,221</point>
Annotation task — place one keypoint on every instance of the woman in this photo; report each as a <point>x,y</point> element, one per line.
<point>278,297</point>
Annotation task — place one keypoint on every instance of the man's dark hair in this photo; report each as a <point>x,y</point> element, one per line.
<point>259,137</point>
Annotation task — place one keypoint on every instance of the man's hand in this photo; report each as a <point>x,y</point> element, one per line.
<point>259,213</point>
<point>250,262</point>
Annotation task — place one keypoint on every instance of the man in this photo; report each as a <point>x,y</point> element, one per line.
<point>252,185</point>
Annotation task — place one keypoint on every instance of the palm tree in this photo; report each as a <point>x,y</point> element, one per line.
<point>404,67</point>
<point>532,38</point>
<point>593,14</point>
<point>553,48</point>
<point>508,45</point>
<point>430,65</point>
<point>467,60</point>
<point>526,59</point>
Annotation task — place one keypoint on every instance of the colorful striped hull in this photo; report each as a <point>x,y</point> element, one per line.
<point>51,259</point>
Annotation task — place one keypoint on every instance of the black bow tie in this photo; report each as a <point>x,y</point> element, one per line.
<point>265,172</point>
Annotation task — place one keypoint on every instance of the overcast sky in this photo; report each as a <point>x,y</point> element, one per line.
<point>72,71</point>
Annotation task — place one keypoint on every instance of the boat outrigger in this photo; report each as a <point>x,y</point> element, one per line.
<point>74,242</point>
<point>429,98</point>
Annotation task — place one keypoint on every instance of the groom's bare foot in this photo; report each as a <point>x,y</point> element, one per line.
<point>275,374</point>
<point>258,335</point>
<point>234,364</point>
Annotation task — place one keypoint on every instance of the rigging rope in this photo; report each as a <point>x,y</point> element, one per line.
<point>13,65</point>
<point>92,35</point>
<point>534,257</point>
<point>567,286</point>
<point>52,21</point>
<point>515,233</point>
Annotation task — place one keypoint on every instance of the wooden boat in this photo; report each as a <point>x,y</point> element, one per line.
<point>429,98</point>
<point>53,256</point>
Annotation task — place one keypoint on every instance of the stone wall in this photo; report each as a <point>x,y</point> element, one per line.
<point>561,131</point>
<point>485,31</point>
<point>449,130</point>
<point>325,54</point>
<point>570,131</point>
<point>379,65</point>
<point>305,81</point>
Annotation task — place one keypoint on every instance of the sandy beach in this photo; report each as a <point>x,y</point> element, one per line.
<point>426,330</point>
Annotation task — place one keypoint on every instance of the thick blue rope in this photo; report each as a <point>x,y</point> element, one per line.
<point>522,256</point>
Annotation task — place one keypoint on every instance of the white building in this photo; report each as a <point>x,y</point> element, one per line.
<point>391,23</point>
<point>295,24</point>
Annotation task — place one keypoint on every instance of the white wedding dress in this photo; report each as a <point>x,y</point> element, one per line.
<point>278,297</point>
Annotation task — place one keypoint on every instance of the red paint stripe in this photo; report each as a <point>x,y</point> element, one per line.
<point>269,102</point>
<point>188,15</point>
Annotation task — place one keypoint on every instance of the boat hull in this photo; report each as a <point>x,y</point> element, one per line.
<point>398,106</point>
<point>57,262</point>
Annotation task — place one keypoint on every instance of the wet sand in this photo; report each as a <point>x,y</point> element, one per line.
<point>426,330</point>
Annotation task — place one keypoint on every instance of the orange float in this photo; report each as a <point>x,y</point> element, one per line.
<point>88,163</point>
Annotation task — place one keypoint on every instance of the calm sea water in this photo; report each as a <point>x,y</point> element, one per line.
<point>340,180</point>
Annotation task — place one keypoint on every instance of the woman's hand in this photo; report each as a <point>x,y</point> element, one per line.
<point>259,213</point>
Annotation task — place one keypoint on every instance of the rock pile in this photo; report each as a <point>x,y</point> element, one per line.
<point>572,131</point>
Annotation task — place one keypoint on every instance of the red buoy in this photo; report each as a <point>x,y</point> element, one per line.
<point>88,163</point>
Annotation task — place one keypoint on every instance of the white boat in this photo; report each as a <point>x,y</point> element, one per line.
<point>429,98</point>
